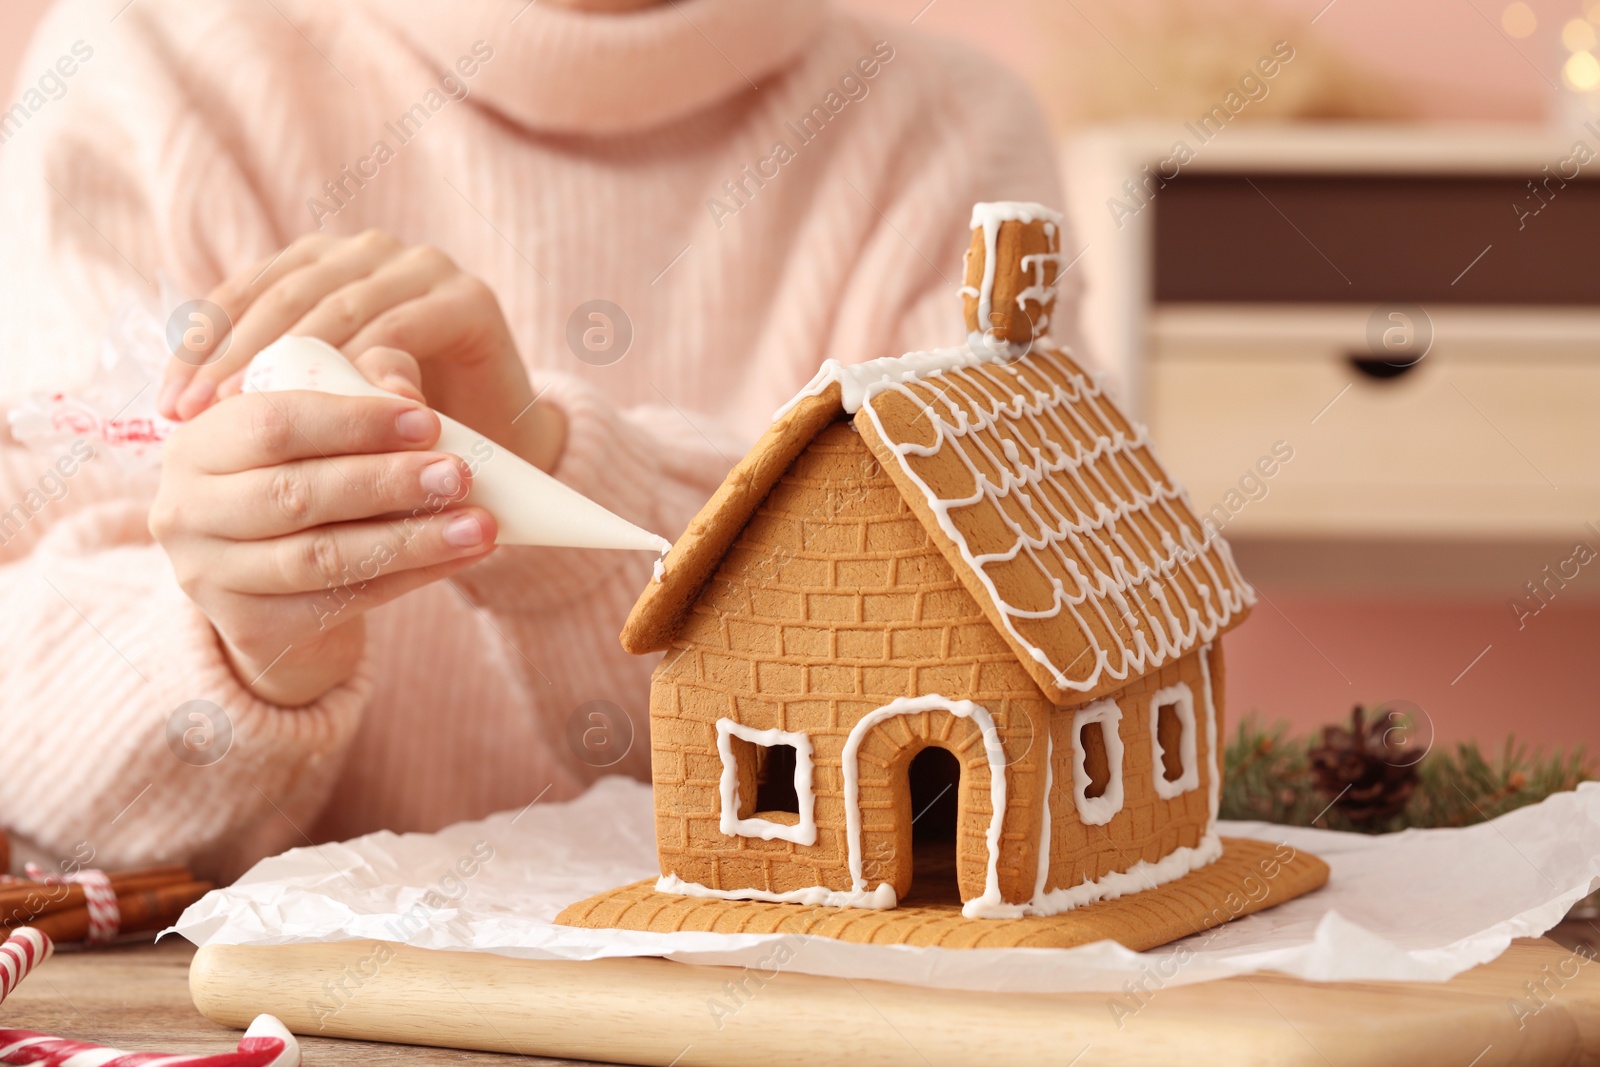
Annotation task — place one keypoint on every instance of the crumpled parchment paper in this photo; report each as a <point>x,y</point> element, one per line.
<point>1422,905</point>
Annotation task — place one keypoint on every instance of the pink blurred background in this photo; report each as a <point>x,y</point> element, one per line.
<point>1301,657</point>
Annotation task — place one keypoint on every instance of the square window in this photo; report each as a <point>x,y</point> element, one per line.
<point>766,767</point>
<point>775,792</point>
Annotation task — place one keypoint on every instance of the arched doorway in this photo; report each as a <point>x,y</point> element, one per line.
<point>876,765</point>
<point>934,776</point>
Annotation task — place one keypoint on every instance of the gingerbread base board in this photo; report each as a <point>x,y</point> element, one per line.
<point>1236,884</point>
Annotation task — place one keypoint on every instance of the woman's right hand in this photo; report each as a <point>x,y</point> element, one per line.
<point>289,515</point>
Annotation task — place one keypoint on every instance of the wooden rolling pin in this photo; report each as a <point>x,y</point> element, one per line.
<point>651,1011</point>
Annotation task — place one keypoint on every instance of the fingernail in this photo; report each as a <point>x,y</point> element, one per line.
<point>442,478</point>
<point>417,424</point>
<point>465,531</point>
<point>195,398</point>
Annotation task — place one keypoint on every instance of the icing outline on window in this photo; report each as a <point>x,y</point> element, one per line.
<point>1181,697</point>
<point>803,832</point>
<point>1097,811</point>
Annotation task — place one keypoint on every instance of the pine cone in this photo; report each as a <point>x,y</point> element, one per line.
<point>1360,773</point>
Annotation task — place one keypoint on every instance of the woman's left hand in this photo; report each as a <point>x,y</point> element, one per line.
<point>363,292</point>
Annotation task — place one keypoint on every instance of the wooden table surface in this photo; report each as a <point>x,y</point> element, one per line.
<point>136,998</point>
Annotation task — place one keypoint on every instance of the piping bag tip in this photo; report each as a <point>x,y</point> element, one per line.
<point>530,507</point>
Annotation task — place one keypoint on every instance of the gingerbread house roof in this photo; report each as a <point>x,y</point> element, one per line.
<point>1046,500</point>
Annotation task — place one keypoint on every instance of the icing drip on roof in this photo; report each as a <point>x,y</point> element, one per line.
<point>994,212</point>
<point>860,382</point>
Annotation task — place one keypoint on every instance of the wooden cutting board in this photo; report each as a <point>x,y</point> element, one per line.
<point>651,1011</point>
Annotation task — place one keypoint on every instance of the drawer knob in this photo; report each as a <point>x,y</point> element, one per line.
<point>1370,366</point>
<point>1398,336</point>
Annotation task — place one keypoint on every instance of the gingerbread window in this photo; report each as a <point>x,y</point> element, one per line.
<point>1176,768</point>
<point>771,768</point>
<point>1097,762</point>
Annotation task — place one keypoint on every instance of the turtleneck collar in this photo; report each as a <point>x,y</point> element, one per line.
<point>565,71</point>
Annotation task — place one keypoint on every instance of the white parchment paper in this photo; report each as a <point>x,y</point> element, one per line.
<point>1422,905</point>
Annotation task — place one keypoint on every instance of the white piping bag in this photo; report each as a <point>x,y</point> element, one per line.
<point>530,507</point>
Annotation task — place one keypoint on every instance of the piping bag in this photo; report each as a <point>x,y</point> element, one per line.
<point>529,506</point>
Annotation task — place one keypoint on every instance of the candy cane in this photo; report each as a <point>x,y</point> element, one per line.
<point>267,1043</point>
<point>26,949</point>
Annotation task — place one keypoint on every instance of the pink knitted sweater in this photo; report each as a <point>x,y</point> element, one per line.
<point>759,184</point>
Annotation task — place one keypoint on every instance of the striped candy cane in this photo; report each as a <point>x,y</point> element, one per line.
<point>267,1043</point>
<point>25,950</point>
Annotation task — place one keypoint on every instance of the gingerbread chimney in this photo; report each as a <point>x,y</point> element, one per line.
<point>1012,266</point>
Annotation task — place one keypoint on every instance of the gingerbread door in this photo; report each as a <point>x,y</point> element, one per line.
<point>906,762</point>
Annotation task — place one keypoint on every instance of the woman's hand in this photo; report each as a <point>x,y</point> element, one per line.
<point>287,516</point>
<point>361,292</point>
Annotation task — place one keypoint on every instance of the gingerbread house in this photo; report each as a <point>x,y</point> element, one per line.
<point>949,637</point>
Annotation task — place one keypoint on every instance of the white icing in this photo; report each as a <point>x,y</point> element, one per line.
<point>1042,878</point>
<point>860,382</point>
<point>993,212</point>
<point>530,507</point>
<point>1097,811</point>
<point>1169,631</point>
<point>804,832</point>
<point>881,899</point>
<point>1181,697</point>
<point>660,569</point>
<point>1211,734</point>
<point>1040,292</point>
<point>965,709</point>
<point>1141,876</point>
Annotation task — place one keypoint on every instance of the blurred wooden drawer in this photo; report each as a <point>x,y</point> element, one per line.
<point>1495,433</point>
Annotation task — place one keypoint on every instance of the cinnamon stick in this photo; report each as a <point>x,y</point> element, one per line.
<point>151,876</point>
<point>146,909</point>
<point>21,904</point>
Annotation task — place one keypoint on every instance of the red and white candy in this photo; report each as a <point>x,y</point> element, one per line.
<point>267,1043</point>
<point>105,916</point>
<point>25,950</point>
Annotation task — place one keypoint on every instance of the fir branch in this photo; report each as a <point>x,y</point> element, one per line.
<point>1267,777</point>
